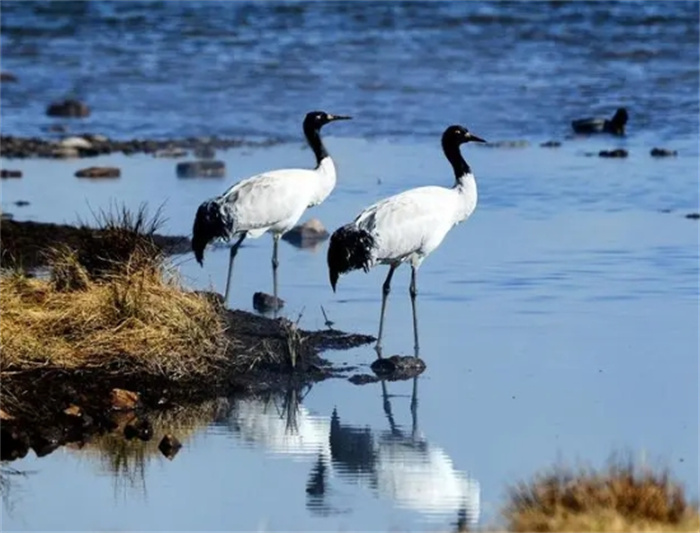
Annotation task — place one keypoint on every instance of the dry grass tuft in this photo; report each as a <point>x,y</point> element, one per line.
<point>619,498</point>
<point>137,319</point>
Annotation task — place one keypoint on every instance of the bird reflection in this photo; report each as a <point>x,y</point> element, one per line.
<point>398,462</point>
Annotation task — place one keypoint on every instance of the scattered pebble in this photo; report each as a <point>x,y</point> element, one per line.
<point>4,173</point>
<point>8,77</point>
<point>170,152</point>
<point>551,144</point>
<point>265,303</point>
<point>693,216</point>
<point>201,168</point>
<point>169,446</point>
<point>617,152</point>
<point>306,235</point>
<point>98,172</point>
<point>663,152</point>
<point>68,108</point>
<point>122,399</point>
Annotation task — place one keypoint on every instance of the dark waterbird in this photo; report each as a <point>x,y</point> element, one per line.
<point>406,227</point>
<point>272,201</point>
<point>615,126</point>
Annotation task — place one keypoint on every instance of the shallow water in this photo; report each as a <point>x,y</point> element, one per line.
<point>572,337</point>
<point>559,322</point>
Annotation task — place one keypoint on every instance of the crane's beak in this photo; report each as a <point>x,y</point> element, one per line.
<point>473,138</point>
<point>338,117</point>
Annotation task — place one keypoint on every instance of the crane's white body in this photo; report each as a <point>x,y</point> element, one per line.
<point>275,201</point>
<point>410,225</point>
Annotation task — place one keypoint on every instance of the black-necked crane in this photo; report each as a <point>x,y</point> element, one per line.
<point>406,227</point>
<point>272,201</point>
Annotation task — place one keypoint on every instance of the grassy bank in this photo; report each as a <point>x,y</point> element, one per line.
<point>620,497</point>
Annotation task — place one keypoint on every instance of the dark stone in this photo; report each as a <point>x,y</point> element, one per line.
<point>68,108</point>
<point>617,152</point>
<point>14,442</point>
<point>8,77</point>
<point>693,216</point>
<point>98,172</point>
<point>140,428</point>
<point>21,203</point>
<point>362,379</point>
<point>550,144</point>
<point>265,303</point>
<point>169,446</point>
<point>663,152</point>
<point>398,367</point>
<point>306,235</point>
<point>4,173</point>
<point>201,168</point>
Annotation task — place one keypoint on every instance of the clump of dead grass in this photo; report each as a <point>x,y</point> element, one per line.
<point>621,497</point>
<point>121,315</point>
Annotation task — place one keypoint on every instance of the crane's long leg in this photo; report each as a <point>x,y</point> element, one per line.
<point>414,408</point>
<point>275,264</point>
<point>386,289</point>
<point>413,291</point>
<point>234,251</point>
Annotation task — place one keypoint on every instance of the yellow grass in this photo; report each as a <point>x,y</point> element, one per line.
<point>619,498</point>
<point>137,319</point>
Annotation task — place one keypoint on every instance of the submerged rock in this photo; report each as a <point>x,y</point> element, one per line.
<point>550,144</point>
<point>615,126</point>
<point>398,367</point>
<point>5,173</point>
<point>68,108</point>
<point>306,235</point>
<point>519,143</point>
<point>266,303</point>
<point>205,151</point>
<point>169,446</point>
<point>663,152</point>
<point>693,216</point>
<point>99,172</point>
<point>201,168</point>
<point>8,77</point>
<point>617,152</point>
<point>170,152</point>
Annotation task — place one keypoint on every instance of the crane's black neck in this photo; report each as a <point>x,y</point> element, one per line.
<point>460,167</point>
<point>313,136</point>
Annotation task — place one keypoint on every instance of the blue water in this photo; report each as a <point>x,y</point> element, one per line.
<point>560,322</point>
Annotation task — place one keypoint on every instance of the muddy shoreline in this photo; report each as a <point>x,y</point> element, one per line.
<point>44,409</point>
<point>93,145</point>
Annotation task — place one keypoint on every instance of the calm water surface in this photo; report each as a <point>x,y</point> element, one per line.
<point>559,322</point>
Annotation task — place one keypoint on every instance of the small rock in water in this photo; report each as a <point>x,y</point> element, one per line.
<point>21,203</point>
<point>663,152</point>
<point>4,173</point>
<point>265,303</point>
<point>617,152</point>
<point>398,367</point>
<point>65,152</point>
<point>140,428</point>
<point>550,144</point>
<point>122,399</point>
<point>170,152</point>
<point>209,169</point>
<point>306,235</point>
<point>68,108</point>
<point>76,142</point>
<point>8,77</point>
<point>362,379</point>
<point>98,172</point>
<point>693,216</point>
<point>169,446</point>
<point>205,151</point>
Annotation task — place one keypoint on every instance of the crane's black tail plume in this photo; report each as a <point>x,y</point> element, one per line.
<point>350,249</point>
<point>209,224</point>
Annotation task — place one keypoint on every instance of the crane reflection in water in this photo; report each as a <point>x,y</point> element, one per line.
<point>396,463</point>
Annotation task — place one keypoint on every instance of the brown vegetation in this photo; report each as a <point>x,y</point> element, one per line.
<point>621,497</point>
